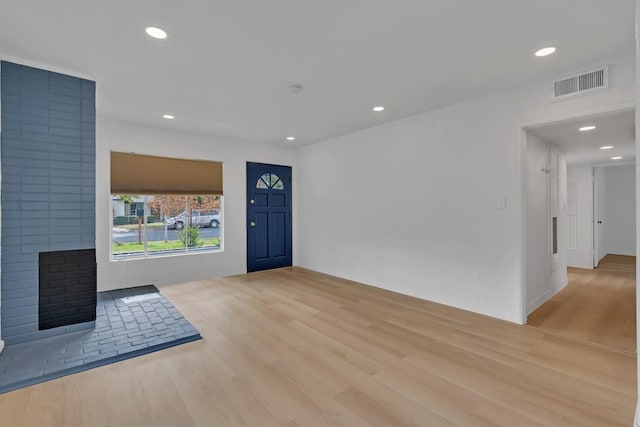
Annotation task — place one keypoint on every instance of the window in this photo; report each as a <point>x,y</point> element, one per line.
<point>160,225</point>
<point>164,206</point>
<point>270,180</point>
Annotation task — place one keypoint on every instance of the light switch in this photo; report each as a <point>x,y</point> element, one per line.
<point>501,203</point>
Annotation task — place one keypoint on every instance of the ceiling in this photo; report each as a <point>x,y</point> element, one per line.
<point>583,148</point>
<point>227,66</point>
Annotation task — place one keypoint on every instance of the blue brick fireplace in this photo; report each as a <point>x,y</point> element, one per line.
<point>48,202</point>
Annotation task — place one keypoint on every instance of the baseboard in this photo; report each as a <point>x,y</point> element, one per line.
<point>587,266</point>
<point>556,289</point>
<point>539,301</point>
<point>546,296</point>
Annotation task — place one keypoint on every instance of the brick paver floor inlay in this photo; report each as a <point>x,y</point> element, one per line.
<point>130,322</point>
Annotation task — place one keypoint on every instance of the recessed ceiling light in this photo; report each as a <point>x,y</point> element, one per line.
<point>291,138</point>
<point>586,128</point>
<point>378,108</point>
<point>156,33</point>
<point>546,51</point>
<point>606,147</point>
<point>169,116</point>
<point>617,158</point>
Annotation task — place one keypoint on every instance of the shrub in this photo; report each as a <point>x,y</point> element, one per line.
<point>191,235</point>
<point>130,219</point>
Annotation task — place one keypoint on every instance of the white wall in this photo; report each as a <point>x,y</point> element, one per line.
<point>546,197</point>
<point>559,277</point>
<point>415,201</point>
<point>620,210</point>
<point>538,263</point>
<point>115,135</point>
<point>582,257</point>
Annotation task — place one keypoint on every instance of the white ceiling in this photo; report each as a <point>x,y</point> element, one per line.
<point>584,147</point>
<point>227,66</point>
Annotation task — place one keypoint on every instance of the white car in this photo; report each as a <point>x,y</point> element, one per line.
<point>199,218</point>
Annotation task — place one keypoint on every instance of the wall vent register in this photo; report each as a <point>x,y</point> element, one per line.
<point>579,84</point>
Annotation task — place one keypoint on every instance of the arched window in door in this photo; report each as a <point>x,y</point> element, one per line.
<point>270,181</point>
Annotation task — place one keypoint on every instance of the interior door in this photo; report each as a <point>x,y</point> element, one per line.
<point>269,242</point>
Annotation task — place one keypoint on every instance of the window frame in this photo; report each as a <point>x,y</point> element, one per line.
<point>145,255</point>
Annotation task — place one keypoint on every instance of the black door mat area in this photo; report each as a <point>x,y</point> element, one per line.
<point>130,322</point>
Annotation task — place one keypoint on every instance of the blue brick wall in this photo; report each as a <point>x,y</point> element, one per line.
<point>48,183</point>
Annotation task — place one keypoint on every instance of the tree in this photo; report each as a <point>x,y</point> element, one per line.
<point>168,205</point>
<point>127,198</point>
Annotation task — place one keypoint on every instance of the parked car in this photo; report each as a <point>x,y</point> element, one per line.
<point>199,218</point>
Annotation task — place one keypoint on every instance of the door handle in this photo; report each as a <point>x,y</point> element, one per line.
<point>599,222</point>
<point>252,224</point>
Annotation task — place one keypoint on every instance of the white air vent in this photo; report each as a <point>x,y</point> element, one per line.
<point>592,81</point>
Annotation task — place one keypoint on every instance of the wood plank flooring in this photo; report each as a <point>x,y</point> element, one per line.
<point>293,347</point>
<point>597,306</point>
<point>621,263</point>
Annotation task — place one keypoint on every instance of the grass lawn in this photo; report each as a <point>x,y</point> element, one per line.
<point>135,226</point>
<point>159,245</point>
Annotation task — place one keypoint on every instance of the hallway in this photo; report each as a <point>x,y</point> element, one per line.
<point>597,306</point>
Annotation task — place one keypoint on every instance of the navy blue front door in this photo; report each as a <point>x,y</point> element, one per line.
<point>268,216</point>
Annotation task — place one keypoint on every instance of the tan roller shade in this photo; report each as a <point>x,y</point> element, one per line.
<point>139,174</point>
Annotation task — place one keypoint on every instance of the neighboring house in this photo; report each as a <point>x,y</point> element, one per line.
<point>122,208</point>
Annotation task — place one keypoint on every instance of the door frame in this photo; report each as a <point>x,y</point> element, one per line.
<point>246,210</point>
<point>521,186</point>
<point>595,230</point>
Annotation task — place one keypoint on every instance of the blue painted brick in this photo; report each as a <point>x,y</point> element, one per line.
<point>19,258</point>
<point>64,173</point>
<point>61,106</point>
<point>25,206</point>
<point>9,285</point>
<point>48,132</point>
<point>34,128</point>
<point>29,249</point>
<point>34,240</point>
<point>65,213</point>
<point>65,165</point>
<point>16,310</point>
<point>17,267</point>
<point>33,171</point>
<point>34,197</point>
<point>21,329</point>
<point>65,238</point>
<point>9,187</point>
<point>10,241</point>
<point>35,119</point>
<point>34,180</point>
<point>39,215</point>
<point>30,188</point>
<point>65,148</point>
<point>11,230</point>
<point>65,197</point>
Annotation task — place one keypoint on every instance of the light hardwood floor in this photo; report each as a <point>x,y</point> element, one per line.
<point>598,306</point>
<point>292,347</point>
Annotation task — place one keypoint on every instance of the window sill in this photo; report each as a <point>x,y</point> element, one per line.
<point>164,255</point>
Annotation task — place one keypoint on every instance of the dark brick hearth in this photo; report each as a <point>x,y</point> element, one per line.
<point>67,288</point>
